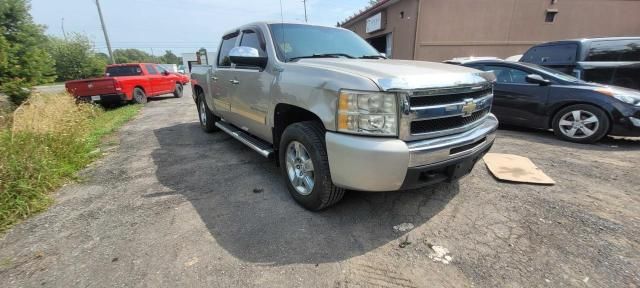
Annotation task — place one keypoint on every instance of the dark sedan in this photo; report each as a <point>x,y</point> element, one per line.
<point>537,97</point>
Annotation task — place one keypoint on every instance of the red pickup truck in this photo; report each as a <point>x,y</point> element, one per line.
<point>128,82</point>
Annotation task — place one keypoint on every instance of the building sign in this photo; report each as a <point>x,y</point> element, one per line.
<point>374,23</point>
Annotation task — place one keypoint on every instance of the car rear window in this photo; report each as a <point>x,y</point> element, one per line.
<point>614,50</point>
<point>117,71</point>
<point>561,54</point>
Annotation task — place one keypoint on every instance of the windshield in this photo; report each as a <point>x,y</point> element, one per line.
<point>554,73</point>
<point>297,40</point>
<point>117,71</point>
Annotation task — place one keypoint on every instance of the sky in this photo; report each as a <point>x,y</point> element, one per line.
<point>182,26</point>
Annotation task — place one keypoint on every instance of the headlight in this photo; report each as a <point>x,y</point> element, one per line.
<point>624,95</point>
<point>369,113</point>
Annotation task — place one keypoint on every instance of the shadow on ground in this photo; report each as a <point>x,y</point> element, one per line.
<point>218,175</point>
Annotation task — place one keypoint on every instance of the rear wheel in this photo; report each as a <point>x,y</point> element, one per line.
<point>305,166</point>
<point>179,91</point>
<point>581,123</point>
<point>139,96</point>
<point>207,118</point>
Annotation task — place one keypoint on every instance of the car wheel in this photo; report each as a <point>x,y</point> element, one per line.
<point>179,91</point>
<point>139,96</point>
<point>207,118</point>
<point>305,166</point>
<point>581,123</point>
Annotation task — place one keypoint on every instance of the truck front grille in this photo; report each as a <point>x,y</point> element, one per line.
<point>433,125</point>
<point>429,113</point>
<point>418,100</point>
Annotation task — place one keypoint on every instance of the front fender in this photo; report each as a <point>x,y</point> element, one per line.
<point>316,90</point>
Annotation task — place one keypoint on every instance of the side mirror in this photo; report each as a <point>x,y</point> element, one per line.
<point>247,56</point>
<point>537,79</point>
<point>165,73</point>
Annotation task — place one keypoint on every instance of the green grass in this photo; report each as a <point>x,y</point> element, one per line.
<point>36,159</point>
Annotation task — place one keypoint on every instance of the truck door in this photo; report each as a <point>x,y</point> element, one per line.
<point>221,88</point>
<point>168,80</point>
<point>251,96</point>
<point>155,80</point>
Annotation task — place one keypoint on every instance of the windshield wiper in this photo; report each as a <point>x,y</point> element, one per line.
<point>373,57</point>
<point>325,55</point>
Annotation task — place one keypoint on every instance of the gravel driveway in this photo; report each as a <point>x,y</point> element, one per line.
<point>171,206</point>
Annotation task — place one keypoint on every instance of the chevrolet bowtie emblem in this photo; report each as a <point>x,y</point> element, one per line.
<point>90,85</point>
<point>468,107</point>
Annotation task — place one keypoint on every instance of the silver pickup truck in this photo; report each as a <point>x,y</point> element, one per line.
<point>336,114</point>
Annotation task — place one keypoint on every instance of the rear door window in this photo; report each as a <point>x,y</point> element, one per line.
<point>228,42</point>
<point>151,70</point>
<point>506,75</point>
<point>614,50</point>
<point>561,54</point>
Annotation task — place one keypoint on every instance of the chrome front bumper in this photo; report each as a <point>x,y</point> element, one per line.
<point>381,164</point>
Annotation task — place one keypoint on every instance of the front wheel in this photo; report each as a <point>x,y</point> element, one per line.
<point>305,166</point>
<point>581,123</point>
<point>179,90</point>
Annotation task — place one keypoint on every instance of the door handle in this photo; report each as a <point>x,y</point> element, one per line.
<point>214,78</point>
<point>234,82</point>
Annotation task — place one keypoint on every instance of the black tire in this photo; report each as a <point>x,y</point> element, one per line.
<point>139,96</point>
<point>311,135</point>
<point>585,112</point>
<point>207,118</point>
<point>179,91</point>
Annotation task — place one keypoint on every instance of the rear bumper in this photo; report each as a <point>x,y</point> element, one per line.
<point>382,164</point>
<point>108,98</point>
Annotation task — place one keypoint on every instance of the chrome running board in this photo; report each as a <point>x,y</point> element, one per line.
<point>260,146</point>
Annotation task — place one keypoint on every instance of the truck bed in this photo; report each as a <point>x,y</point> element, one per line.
<point>92,87</point>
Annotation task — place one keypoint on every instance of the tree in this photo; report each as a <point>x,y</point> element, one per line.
<point>104,57</point>
<point>132,56</point>
<point>75,58</point>
<point>24,61</point>
<point>170,58</point>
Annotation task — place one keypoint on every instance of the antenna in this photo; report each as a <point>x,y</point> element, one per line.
<point>305,11</point>
<point>281,14</point>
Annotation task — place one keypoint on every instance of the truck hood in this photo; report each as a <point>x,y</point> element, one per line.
<point>404,74</point>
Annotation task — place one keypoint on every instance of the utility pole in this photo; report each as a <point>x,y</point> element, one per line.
<point>106,35</point>
<point>62,26</point>
<point>305,11</point>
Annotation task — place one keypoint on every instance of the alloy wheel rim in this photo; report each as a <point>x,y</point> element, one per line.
<point>139,96</point>
<point>579,124</point>
<point>179,89</point>
<point>203,114</point>
<point>300,168</point>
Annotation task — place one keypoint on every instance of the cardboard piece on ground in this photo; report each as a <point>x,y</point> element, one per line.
<point>515,168</point>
